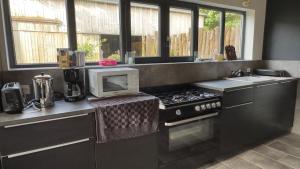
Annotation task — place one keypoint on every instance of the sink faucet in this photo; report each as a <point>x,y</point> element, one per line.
<point>237,73</point>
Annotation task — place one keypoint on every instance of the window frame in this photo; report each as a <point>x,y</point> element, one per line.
<point>223,12</point>
<point>125,31</point>
<point>159,47</point>
<point>244,17</point>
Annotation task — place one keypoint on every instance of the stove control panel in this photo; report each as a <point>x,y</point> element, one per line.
<point>188,111</point>
<point>208,106</point>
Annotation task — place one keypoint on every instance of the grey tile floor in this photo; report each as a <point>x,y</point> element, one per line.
<point>281,153</point>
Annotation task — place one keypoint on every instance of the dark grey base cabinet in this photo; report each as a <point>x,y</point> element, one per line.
<point>255,114</point>
<point>236,127</point>
<point>136,153</point>
<point>275,107</point>
<point>61,143</point>
<point>76,156</point>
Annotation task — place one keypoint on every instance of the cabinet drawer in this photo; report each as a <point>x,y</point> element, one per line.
<point>28,136</point>
<point>78,155</point>
<point>238,96</point>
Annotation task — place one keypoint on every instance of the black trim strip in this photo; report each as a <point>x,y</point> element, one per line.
<point>195,30</point>
<point>223,22</point>
<point>10,45</point>
<point>71,22</point>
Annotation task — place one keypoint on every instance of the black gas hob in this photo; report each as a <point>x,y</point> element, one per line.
<point>181,95</point>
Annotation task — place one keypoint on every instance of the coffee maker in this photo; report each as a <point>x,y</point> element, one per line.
<point>72,63</point>
<point>74,89</point>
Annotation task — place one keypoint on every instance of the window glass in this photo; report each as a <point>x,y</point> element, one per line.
<point>98,29</point>
<point>180,32</point>
<point>144,29</point>
<point>39,27</point>
<point>234,31</point>
<point>209,34</point>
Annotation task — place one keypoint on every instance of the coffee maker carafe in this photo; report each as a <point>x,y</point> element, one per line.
<point>74,84</point>
<point>72,63</point>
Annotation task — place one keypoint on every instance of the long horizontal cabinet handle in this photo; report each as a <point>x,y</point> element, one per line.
<point>234,90</point>
<point>171,124</point>
<point>286,82</point>
<point>44,121</point>
<point>267,85</point>
<point>239,105</point>
<point>46,148</point>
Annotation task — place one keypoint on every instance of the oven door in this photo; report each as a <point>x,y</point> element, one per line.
<point>189,137</point>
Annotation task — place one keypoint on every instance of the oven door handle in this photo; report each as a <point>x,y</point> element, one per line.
<point>172,124</point>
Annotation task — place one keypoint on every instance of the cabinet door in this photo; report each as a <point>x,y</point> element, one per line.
<point>286,103</point>
<point>267,109</point>
<point>236,128</point>
<point>136,153</point>
<point>74,156</point>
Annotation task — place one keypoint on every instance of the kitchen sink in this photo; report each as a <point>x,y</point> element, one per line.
<point>254,79</point>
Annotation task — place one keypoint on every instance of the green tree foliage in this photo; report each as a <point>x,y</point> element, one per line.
<point>213,19</point>
<point>233,20</point>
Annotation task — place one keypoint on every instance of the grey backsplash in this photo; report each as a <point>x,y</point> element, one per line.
<point>153,74</point>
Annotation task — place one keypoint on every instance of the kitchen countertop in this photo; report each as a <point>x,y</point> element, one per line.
<point>223,85</point>
<point>60,110</point>
<point>236,83</point>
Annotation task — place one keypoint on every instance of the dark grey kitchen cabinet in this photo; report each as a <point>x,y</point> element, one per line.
<point>28,136</point>
<point>287,102</point>
<point>274,108</point>
<point>135,153</point>
<point>65,142</point>
<point>74,156</point>
<point>236,126</point>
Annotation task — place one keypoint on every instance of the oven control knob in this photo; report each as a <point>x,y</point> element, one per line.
<point>197,108</point>
<point>208,106</point>
<point>178,112</point>
<point>203,107</point>
<point>213,105</point>
<point>218,104</point>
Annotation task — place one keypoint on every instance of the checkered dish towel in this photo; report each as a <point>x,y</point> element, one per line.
<point>126,117</point>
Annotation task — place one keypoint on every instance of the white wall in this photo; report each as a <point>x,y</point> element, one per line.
<point>255,24</point>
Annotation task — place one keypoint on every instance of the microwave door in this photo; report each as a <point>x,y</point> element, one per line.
<point>115,83</point>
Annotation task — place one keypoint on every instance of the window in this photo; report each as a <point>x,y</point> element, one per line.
<point>155,31</point>
<point>209,33</point>
<point>144,29</point>
<point>98,29</point>
<point>234,31</point>
<point>39,27</point>
<point>180,32</point>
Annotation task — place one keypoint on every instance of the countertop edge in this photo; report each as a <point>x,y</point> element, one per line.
<point>47,117</point>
